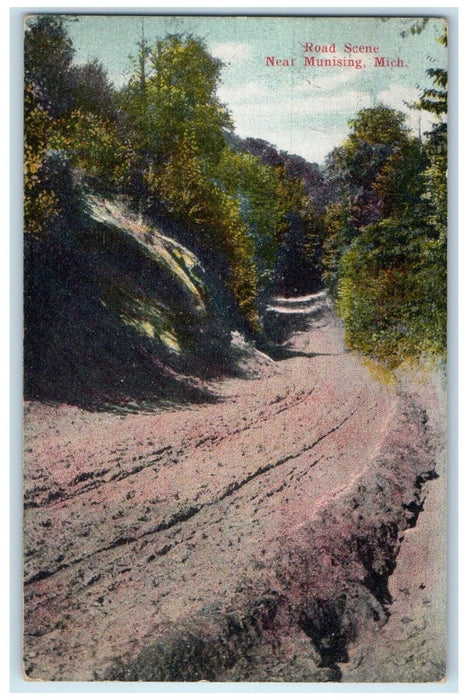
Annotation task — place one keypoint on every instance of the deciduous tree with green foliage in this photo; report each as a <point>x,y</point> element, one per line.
<point>267,198</point>
<point>383,259</point>
<point>177,125</point>
<point>67,108</point>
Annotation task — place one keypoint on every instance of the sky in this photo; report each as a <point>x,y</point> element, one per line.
<point>272,81</point>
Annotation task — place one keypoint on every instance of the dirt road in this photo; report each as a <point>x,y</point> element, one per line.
<point>252,538</point>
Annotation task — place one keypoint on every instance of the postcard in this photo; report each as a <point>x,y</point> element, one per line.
<point>235,367</point>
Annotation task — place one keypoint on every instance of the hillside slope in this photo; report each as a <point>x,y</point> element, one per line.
<point>116,310</point>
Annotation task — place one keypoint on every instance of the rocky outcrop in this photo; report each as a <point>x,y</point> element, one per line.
<point>116,310</point>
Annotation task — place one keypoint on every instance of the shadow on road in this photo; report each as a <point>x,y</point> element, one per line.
<point>279,353</point>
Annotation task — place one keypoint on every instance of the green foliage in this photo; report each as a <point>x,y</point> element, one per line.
<point>384,258</point>
<point>203,205</point>
<point>183,91</point>
<point>339,234</point>
<point>47,59</point>
<point>373,168</point>
<point>377,126</point>
<point>391,293</point>
<point>436,101</point>
<point>48,55</point>
<point>92,144</point>
<point>172,90</point>
<point>238,206</point>
<point>39,202</point>
<point>416,28</point>
<point>176,125</point>
<point>67,108</point>
<point>264,205</point>
<point>163,140</point>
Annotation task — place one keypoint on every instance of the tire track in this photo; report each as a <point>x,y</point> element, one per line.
<point>61,496</point>
<point>190,511</point>
<point>123,583</point>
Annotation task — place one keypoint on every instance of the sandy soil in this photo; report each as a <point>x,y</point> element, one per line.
<point>270,536</point>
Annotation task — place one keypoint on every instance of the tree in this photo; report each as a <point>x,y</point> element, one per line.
<point>172,96</point>
<point>263,207</point>
<point>362,169</point>
<point>293,272</point>
<point>383,258</point>
<point>389,292</point>
<point>48,55</point>
<point>182,91</point>
<point>435,101</point>
<point>177,126</point>
<point>39,201</point>
<point>284,200</point>
<point>139,122</point>
<point>67,108</point>
<point>375,174</point>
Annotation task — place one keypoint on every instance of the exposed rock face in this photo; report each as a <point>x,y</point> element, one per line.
<point>114,308</point>
<point>250,539</point>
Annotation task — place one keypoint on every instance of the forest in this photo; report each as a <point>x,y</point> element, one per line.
<point>370,226</point>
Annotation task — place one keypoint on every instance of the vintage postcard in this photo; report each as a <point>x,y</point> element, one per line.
<point>235,235</point>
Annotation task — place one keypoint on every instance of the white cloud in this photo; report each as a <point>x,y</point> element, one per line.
<point>241,94</point>
<point>346,102</point>
<point>231,50</point>
<point>283,107</point>
<point>329,82</point>
<point>401,97</point>
<point>304,119</point>
<point>306,124</point>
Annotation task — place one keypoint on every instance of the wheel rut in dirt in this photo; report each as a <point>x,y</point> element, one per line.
<point>250,539</point>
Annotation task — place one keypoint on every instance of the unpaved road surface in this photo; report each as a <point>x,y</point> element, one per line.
<point>263,537</point>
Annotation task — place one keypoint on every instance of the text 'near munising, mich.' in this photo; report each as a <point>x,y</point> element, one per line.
<point>327,56</point>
